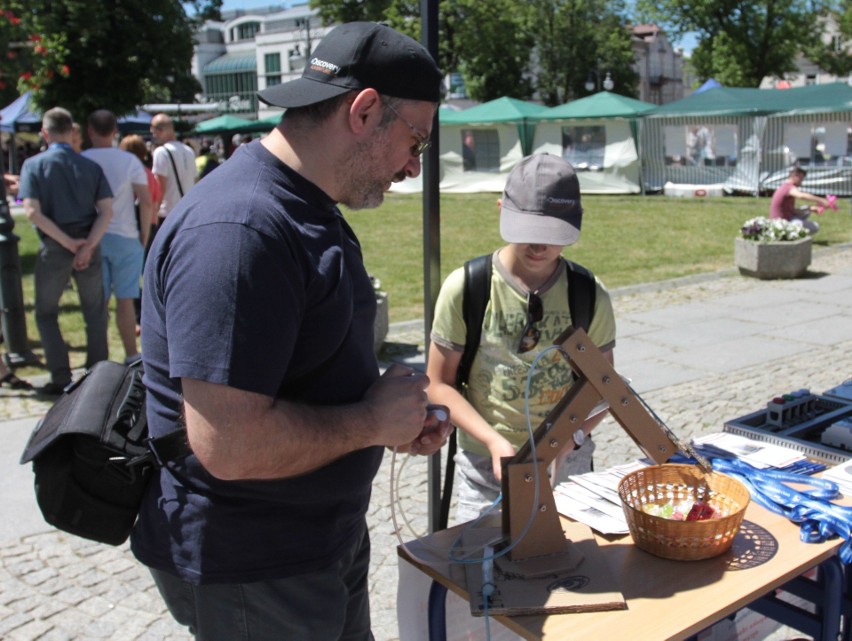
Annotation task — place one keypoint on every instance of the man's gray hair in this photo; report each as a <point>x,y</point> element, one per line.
<point>57,121</point>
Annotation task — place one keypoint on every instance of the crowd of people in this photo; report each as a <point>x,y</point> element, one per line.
<point>96,203</point>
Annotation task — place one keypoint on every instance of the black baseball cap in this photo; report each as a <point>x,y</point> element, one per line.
<point>361,55</point>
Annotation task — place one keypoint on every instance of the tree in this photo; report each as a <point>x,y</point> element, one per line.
<point>740,41</point>
<point>578,38</point>
<point>115,54</point>
<point>497,44</point>
<point>834,57</point>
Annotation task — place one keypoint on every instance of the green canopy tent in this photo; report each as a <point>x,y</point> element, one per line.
<point>745,139</point>
<point>598,135</point>
<point>814,131</point>
<point>224,125</point>
<point>480,145</point>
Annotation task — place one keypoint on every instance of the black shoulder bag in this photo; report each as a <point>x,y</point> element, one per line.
<point>92,457</point>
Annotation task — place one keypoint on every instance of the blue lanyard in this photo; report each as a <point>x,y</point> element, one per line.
<point>819,519</point>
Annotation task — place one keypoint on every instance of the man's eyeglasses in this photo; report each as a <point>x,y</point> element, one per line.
<point>531,334</point>
<point>423,143</point>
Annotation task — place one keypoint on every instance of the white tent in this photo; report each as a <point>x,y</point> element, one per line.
<point>480,145</point>
<point>598,136</point>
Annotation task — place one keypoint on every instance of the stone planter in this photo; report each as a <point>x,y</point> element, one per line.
<point>380,327</point>
<point>784,259</point>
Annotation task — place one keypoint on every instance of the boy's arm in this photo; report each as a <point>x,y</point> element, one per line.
<point>441,370</point>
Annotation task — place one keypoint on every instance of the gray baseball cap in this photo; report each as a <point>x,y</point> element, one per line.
<point>541,202</point>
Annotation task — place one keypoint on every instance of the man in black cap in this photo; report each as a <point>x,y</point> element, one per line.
<point>257,335</point>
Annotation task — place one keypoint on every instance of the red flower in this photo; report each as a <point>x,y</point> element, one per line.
<point>27,75</point>
<point>65,71</point>
<point>35,37</point>
<point>40,49</point>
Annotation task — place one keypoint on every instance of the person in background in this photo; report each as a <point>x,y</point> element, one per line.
<point>136,146</point>
<point>257,335</point>
<point>68,198</point>
<point>76,137</point>
<point>528,309</point>
<point>122,247</point>
<point>206,161</point>
<point>783,204</point>
<point>174,164</point>
<point>11,182</point>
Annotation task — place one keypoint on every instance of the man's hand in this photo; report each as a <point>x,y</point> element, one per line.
<point>397,404</point>
<point>436,430</point>
<point>83,255</point>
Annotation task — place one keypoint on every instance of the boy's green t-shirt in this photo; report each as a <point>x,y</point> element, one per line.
<point>498,375</point>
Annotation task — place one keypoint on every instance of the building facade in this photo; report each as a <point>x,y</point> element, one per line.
<point>659,65</point>
<point>250,50</point>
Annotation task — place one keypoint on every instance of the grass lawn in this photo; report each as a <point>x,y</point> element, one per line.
<point>625,240</point>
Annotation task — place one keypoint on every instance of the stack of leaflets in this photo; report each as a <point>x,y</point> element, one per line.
<point>593,498</point>
<point>756,453</point>
<point>842,475</point>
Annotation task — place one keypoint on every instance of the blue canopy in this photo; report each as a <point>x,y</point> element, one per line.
<point>710,83</point>
<point>18,117</point>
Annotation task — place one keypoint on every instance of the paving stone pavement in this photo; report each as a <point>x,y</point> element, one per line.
<point>55,586</point>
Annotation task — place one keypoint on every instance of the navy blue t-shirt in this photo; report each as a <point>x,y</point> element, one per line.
<point>255,281</point>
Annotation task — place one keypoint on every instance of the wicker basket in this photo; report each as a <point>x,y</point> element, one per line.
<point>676,484</point>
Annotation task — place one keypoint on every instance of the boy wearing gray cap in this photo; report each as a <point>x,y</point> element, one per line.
<point>527,310</point>
<point>257,335</point>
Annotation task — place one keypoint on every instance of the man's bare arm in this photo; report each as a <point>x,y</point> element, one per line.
<point>243,435</point>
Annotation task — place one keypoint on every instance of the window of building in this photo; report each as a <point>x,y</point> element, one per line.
<point>272,65</point>
<point>584,147</point>
<point>480,150</point>
<point>701,145</point>
<point>817,145</point>
<point>223,87</point>
<point>247,30</point>
<point>810,79</point>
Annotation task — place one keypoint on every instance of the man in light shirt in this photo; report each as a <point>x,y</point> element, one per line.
<point>174,164</point>
<point>122,247</point>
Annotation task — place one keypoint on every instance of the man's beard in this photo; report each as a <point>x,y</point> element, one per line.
<point>363,178</point>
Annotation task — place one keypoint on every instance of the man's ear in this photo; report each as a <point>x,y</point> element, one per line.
<point>365,111</point>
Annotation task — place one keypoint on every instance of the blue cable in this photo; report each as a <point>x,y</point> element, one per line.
<point>818,518</point>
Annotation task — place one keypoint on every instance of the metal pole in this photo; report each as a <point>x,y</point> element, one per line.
<point>431,241</point>
<point>13,319</point>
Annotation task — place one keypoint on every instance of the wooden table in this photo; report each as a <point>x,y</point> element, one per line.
<point>665,599</point>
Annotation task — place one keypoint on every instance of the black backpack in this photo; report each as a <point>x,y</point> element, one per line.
<point>477,292</point>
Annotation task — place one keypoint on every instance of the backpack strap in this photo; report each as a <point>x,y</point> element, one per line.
<point>477,292</point>
<point>475,296</point>
<point>582,293</point>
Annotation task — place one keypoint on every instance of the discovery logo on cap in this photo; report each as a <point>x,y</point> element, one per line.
<point>361,55</point>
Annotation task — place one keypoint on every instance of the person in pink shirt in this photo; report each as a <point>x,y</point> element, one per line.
<point>783,203</point>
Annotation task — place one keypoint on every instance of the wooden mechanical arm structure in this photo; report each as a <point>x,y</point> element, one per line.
<point>532,514</point>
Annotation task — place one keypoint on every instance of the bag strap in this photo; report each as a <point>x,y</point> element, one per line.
<point>475,296</point>
<point>174,167</point>
<point>161,450</point>
<point>582,294</point>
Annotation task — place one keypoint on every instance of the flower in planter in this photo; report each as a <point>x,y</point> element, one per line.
<point>769,230</point>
